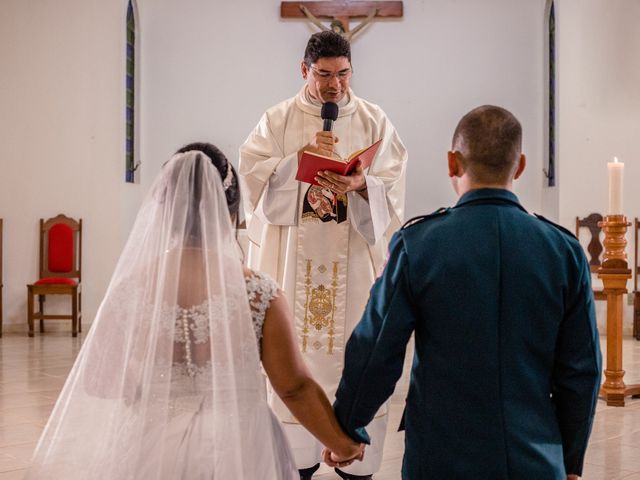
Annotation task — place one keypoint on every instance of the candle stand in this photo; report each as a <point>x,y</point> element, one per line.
<point>615,273</point>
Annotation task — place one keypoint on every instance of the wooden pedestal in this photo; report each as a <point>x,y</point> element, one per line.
<point>615,273</point>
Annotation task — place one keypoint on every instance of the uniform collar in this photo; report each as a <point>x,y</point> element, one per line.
<point>489,196</point>
<point>304,104</point>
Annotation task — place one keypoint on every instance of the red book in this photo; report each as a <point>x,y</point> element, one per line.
<point>312,163</point>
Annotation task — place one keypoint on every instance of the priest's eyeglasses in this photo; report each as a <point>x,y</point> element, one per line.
<point>326,75</point>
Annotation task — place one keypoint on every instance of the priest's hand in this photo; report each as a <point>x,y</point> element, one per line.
<point>343,184</point>
<point>347,458</point>
<point>322,143</point>
<point>573,476</point>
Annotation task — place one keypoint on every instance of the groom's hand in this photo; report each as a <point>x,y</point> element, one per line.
<point>334,460</point>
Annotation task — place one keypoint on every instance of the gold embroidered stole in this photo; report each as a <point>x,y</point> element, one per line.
<point>321,276</point>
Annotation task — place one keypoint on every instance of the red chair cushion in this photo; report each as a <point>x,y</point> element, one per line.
<point>56,281</point>
<point>60,248</point>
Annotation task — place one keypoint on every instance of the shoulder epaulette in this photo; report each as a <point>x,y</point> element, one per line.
<point>422,218</point>
<point>559,227</point>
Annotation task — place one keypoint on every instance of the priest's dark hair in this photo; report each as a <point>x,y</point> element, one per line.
<point>489,139</point>
<point>326,44</point>
<point>221,163</point>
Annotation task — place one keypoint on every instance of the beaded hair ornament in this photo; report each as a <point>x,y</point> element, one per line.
<point>228,179</point>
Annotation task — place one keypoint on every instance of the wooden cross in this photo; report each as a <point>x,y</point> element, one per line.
<point>341,11</point>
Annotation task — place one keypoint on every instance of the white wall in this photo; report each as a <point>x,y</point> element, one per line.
<point>598,109</point>
<point>61,131</point>
<point>599,103</point>
<point>208,71</point>
<point>426,70</point>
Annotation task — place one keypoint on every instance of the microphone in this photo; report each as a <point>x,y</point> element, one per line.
<point>329,113</point>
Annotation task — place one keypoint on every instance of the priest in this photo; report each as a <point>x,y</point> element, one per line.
<point>325,243</point>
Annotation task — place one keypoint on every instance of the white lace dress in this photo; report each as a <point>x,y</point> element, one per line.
<point>187,438</point>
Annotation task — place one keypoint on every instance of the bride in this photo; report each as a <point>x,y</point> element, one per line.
<point>168,383</point>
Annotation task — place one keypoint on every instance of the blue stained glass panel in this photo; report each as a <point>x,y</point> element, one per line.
<point>551,167</point>
<point>130,161</point>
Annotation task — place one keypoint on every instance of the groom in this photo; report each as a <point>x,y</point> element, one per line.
<point>506,369</point>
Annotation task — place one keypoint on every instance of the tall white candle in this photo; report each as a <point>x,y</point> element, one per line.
<point>616,173</point>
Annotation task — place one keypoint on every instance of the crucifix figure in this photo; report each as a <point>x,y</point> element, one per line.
<point>337,25</point>
<point>341,12</point>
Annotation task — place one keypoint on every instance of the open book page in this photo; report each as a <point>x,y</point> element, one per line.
<point>356,153</point>
<point>365,156</point>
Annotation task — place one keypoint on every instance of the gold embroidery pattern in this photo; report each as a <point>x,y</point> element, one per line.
<point>332,323</point>
<point>307,288</point>
<point>320,307</point>
<point>310,217</point>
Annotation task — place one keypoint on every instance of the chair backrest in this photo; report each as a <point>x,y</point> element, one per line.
<point>1,285</point>
<point>595,248</point>
<point>0,262</point>
<point>636,267</point>
<point>61,247</point>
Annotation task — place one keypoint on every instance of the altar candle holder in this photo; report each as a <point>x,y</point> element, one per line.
<point>615,273</point>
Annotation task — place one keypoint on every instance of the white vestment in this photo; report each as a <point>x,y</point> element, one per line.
<point>325,257</point>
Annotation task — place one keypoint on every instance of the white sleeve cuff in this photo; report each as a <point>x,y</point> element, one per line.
<point>279,203</point>
<point>371,217</point>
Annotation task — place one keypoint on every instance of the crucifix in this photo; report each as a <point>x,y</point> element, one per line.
<point>341,12</point>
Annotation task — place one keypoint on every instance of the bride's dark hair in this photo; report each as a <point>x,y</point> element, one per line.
<point>222,164</point>
<point>232,191</point>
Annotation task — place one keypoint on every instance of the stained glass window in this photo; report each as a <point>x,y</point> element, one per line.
<point>551,162</point>
<point>131,95</point>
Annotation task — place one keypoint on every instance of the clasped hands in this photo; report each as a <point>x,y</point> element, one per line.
<point>334,460</point>
<point>323,143</point>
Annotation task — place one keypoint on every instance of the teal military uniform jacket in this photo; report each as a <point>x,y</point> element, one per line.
<point>506,369</point>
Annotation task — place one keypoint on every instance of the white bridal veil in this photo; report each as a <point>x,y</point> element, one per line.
<point>168,384</point>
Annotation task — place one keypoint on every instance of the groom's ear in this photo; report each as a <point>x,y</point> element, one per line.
<point>522,164</point>
<point>454,163</point>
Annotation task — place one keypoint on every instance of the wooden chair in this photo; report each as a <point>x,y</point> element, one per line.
<point>60,271</point>
<point>1,281</point>
<point>636,293</point>
<point>595,248</point>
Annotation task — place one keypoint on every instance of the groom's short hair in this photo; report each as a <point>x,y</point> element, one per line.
<point>490,141</point>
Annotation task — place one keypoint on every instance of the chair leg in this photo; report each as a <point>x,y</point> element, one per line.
<point>30,310</point>
<point>80,312</point>
<point>636,315</point>
<point>41,303</point>
<point>74,315</point>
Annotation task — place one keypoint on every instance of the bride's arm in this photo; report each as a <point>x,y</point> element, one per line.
<point>293,383</point>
